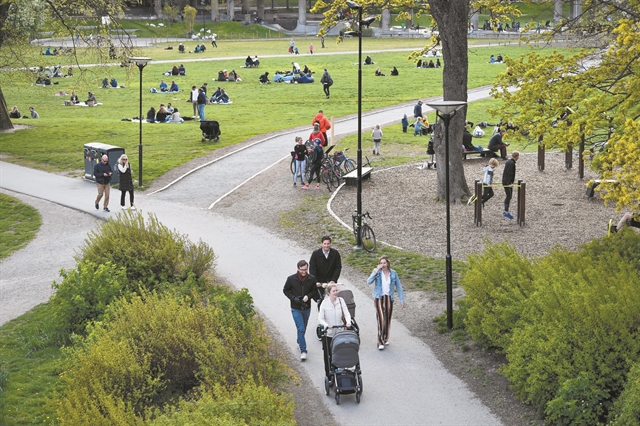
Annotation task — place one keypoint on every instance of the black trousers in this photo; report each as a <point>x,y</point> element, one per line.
<point>507,200</point>
<point>487,193</point>
<point>315,169</point>
<point>122,195</point>
<point>325,87</point>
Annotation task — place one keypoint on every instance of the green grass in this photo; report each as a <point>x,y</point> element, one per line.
<point>256,109</point>
<point>31,362</point>
<point>19,224</point>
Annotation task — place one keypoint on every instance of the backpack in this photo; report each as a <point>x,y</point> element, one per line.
<point>478,132</point>
<point>318,153</point>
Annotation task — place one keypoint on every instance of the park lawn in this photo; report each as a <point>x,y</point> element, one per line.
<point>19,224</point>
<point>55,141</point>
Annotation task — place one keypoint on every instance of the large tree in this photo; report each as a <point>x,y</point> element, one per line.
<point>21,22</point>
<point>451,18</point>
<point>592,96</point>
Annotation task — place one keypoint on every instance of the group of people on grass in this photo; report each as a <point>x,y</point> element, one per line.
<point>496,59</point>
<point>430,64</point>
<point>15,113</point>
<point>318,280</point>
<point>165,88</point>
<point>164,114</point>
<point>177,71</point>
<point>252,62</point>
<point>223,75</point>
<point>106,84</point>
<point>378,72</point>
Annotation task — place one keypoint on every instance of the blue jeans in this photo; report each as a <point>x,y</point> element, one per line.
<point>300,165</point>
<point>201,111</point>
<point>301,318</point>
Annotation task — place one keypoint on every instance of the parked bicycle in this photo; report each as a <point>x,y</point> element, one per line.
<point>345,163</point>
<point>368,237</point>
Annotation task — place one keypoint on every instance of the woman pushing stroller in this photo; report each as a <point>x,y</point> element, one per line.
<point>333,312</point>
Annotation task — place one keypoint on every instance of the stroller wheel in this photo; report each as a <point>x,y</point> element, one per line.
<point>337,398</point>
<point>358,397</point>
<point>327,389</point>
<point>360,383</point>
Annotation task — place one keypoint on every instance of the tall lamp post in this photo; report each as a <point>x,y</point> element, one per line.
<point>446,111</point>
<point>141,63</point>
<point>367,22</point>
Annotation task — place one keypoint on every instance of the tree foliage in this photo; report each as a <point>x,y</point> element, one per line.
<point>591,96</point>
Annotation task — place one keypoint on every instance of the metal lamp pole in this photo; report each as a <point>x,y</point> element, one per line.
<point>141,63</point>
<point>446,111</point>
<point>357,7</point>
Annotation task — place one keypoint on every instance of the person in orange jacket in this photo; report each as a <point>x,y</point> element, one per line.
<point>324,124</point>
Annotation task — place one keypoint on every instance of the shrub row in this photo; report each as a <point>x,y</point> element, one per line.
<point>568,323</point>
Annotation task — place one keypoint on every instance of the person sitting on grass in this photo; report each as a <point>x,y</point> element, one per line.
<point>256,61</point>
<point>174,86</point>
<point>105,83</point>
<point>163,86</point>
<point>91,98</point>
<point>215,95</point>
<point>15,113</point>
<point>306,70</point>
<point>151,115</point>
<point>180,49</point>
<point>34,114</point>
<point>379,73</point>
<point>418,126</point>
<point>264,78</point>
<point>394,71</point>
<point>175,70</point>
<point>175,117</point>
<point>222,98</point>
<point>181,70</point>
<point>368,61</point>
<point>248,63</point>
<point>162,115</point>
<point>114,82</point>
<point>438,64</point>
<point>419,63</point>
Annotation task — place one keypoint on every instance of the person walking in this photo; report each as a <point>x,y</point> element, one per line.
<point>327,82</point>
<point>299,156</point>
<point>194,100</point>
<point>201,101</point>
<point>377,138</point>
<point>325,265</point>
<point>333,312</point>
<point>508,177</point>
<point>385,281</point>
<point>487,180</point>
<point>299,290</point>
<point>213,40</point>
<point>311,49</point>
<point>322,41</point>
<point>126,181</point>
<point>102,172</point>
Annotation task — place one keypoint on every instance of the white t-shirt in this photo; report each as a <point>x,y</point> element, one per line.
<point>194,95</point>
<point>386,283</point>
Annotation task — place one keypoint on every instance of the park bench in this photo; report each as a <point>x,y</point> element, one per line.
<point>591,188</point>
<point>351,178</point>
<point>484,153</point>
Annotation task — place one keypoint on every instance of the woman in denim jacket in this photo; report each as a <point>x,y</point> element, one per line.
<point>385,280</point>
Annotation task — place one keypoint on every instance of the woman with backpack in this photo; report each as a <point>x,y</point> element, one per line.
<point>316,162</point>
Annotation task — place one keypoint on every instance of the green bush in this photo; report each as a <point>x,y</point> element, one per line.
<point>580,320</point>
<point>150,252</point>
<point>84,294</point>
<point>246,404</point>
<point>497,283</point>
<point>626,411</point>
<point>578,402</point>
<point>155,349</point>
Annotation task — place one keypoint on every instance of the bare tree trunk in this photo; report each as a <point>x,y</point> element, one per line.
<point>5,121</point>
<point>158,8</point>
<point>451,17</point>
<point>260,7</point>
<point>302,12</point>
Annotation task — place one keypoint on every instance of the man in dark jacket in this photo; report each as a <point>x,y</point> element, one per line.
<point>299,288</point>
<point>496,144</point>
<point>201,100</point>
<point>417,110</point>
<point>325,264</point>
<point>102,172</point>
<point>508,177</point>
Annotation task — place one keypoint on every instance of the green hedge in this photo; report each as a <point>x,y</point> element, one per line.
<point>626,411</point>
<point>156,350</point>
<point>569,323</point>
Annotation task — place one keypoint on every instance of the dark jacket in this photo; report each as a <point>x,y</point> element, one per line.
<point>295,290</point>
<point>202,98</point>
<point>467,141</point>
<point>509,173</point>
<point>99,170</point>
<point>126,182</point>
<point>495,142</point>
<point>325,269</point>
<point>417,110</point>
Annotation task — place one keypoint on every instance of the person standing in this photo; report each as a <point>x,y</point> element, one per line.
<point>385,281</point>
<point>299,290</point>
<point>332,313</point>
<point>194,100</point>
<point>496,144</point>
<point>213,40</point>
<point>202,101</point>
<point>317,154</point>
<point>325,265</point>
<point>377,138</point>
<point>487,180</point>
<point>508,177</point>
<point>327,82</point>
<point>126,181</point>
<point>417,110</point>
<point>324,125</point>
<point>322,41</point>
<point>311,49</point>
<point>102,172</point>
<point>299,156</point>
<point>405,123</point>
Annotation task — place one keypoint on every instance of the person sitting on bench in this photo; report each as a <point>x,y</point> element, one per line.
<point>629,219</point>
<point>394,71</point>
<point>467,141</point>
<point>496,144</point>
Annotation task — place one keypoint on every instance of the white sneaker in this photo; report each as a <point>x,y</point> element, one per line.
<point>386,343</point>
<point>380,347</point>
<point>133,207</point>
<point>303,356</point>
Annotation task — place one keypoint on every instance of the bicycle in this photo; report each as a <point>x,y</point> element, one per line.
<point>331,173</point>
<point>341,160</point>
<point>368,239</point>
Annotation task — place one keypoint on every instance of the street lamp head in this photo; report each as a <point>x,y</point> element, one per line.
<point>139,61</point>
<point>368,21</point>
<point>446,108</point>
<point>353,5</point>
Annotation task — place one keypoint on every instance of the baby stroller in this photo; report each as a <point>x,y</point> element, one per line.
<point>345,364</point>
<point>210,131</point>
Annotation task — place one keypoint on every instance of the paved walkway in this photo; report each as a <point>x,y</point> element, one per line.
<point>405,384</point>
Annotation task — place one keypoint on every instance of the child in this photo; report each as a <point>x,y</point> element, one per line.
<point>299,156</point>
<point>487,180</point>
<point>377,138</point>
<point>405,123</point>
<point>417,127</point>
<point>311,49</point>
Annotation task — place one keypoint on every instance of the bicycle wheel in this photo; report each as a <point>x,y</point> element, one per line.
<point>337,175</point>
<point>293,165</point>
<point>368,238</point>
<point>354,224</point>
<point>349,166</point>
